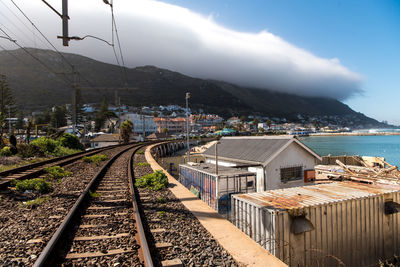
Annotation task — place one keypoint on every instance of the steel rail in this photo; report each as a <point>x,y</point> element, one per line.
<point>144,252</point>
<point>49,255</point>
<point>63,161</point>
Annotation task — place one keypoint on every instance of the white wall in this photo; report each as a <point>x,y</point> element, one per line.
<point>259,177</point>
<point>293,155</point>
<point>102,144</point>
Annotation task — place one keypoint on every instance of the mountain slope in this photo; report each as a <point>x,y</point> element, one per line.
<point>36,87</point>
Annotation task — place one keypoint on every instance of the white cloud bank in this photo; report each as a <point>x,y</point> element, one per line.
<point>172,37</point>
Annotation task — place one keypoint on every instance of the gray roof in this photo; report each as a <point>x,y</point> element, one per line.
<point>222,170</point>
<point>250,149</point>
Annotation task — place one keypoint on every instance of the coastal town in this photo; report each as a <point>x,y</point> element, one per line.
<point>165,133</point>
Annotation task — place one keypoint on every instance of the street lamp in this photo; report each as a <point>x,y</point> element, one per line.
<point>187,125</point>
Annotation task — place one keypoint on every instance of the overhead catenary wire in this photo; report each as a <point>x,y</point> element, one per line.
<point>33,56</point>
<point>115,29</point>
<point>23,23</point>
<point>57,51</point>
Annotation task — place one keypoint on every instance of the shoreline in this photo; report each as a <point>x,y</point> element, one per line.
<point>354,134</point>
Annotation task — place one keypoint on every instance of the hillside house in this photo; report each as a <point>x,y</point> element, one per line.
<point>278,161</point>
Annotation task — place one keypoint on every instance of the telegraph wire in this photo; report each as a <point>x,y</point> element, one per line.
<point>114,28</point>
<point>62,56</point>
<point>33,56</point>
<point>23,23</point>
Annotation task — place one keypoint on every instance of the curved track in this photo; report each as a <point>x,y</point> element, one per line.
<point>99,228</point>
<point>36,169</point>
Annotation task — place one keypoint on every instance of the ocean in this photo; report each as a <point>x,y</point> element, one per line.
<point>387,146</point>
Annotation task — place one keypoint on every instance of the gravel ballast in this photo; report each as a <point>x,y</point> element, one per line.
<point>26,230</point>
<point>190,241</point>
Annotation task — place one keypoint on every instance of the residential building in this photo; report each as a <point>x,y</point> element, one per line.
<point>141,122</point>
<point>173,125</point>
<point>278,161</point>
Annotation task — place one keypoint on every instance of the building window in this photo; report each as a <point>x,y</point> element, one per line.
<point>291,174</point>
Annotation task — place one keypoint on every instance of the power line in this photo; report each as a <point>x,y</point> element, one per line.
<point>33,56</point>
<point>23,23</point>
<point>62,56</point>
<point>114,28</point>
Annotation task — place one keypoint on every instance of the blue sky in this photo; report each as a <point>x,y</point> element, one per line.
<point>363,35</point>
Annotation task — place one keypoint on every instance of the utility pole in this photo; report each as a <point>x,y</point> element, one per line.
<point>65,22</point>
<point>187,125</point>
<point>9,120</point>
<point>74,102</point>
<point>216,158</point>
<point>119,120</point>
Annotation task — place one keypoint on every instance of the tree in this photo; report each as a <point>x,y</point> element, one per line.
<point>20,122</point>
<point>126,130</point>
<point>269,122</point>
<point>7,103</point>
<point>80,113</point>
<point>58,117</point>
<point>243,118</point>
<point>155,114</point>
<point>164,130</point>
<point>28,130</point>
<point>103,115</point>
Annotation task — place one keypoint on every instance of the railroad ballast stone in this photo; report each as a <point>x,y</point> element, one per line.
<point>19,224</point>
<point>191,242</point>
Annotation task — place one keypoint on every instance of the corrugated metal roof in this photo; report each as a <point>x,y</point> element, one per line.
<point>313,195</point>
<point>257,150</point>
<point>222,170</point>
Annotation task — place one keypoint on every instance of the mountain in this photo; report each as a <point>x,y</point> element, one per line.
<point>36,87</point>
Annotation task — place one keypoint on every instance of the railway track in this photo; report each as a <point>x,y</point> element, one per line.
<point>104,226</point>
<point>37,169</point>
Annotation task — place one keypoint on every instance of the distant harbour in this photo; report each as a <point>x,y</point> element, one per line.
<point>368,144</point>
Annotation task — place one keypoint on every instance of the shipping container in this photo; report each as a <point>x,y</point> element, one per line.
<point>213,189</point>
<point>334,224</point>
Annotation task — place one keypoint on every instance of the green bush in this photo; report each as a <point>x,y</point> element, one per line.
<point>96,159</point>
<point>153,181</point>
<point>38,184</point>
<point>6,151</point>
<point>70,141</point>
<point>28,150</point>
<point>140,152</point>
<point>63,151</point>
<point>36,202</point>
<point>45,145</point>
<point>143,164</point>
<point>56,172</point>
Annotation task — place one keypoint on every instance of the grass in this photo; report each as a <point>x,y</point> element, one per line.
<point>96,159</point>
<point>94,194</point>
<point>36,202</point>
<point>56,172</point>
<point>161,200</point>
<point>140,152</point>
<point>153,181</point>
<point>162,213</point>
<point>142,164</point>
<point>38,185</point>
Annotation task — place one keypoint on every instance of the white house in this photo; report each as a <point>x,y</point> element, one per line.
<point>278,161</point>
<point>140,121</point>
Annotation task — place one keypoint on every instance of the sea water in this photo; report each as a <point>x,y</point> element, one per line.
<point>387,146</point>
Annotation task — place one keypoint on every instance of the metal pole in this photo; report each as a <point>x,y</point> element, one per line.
<point>216,158</point>
<point>74,103</point>
<point>9,120</point>
<point>119,120</point>
<point>65,22</point>
<point>187,126</point>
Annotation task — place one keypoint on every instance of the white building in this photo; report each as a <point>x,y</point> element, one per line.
<point>278,161</point>
<point>139,121</point>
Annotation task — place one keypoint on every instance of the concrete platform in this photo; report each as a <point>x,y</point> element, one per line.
<point>242,248</point>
